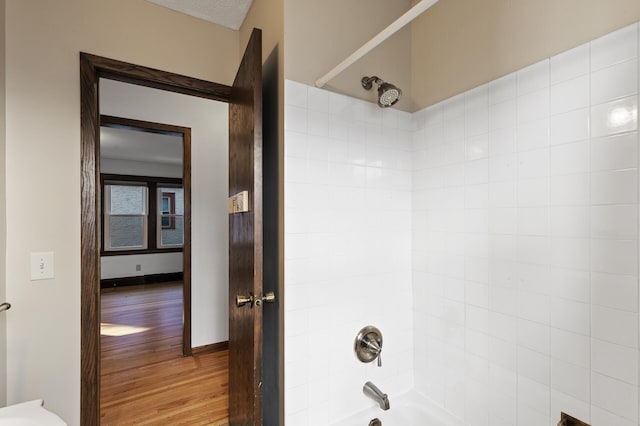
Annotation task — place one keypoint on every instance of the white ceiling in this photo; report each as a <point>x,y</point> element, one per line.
<point>228,13</point>
<point>132,145</point>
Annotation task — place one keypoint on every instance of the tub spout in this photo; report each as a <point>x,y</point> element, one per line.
<point>376,394</point>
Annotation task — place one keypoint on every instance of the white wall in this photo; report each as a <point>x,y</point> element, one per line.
<point>525,242</point>
<point>157,263</point>
<point>208,121</point>
<point>347,251</point>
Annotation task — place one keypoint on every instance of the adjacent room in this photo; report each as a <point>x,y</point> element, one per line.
<point>163,163</point>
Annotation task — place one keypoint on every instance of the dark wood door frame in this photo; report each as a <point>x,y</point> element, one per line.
<point>92,68</point>
<point>185,134</point>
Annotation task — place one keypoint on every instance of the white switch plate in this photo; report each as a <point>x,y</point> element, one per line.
<point>42,266</point>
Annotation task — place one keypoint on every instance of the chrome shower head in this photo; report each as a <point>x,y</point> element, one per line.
<point>388,94</point>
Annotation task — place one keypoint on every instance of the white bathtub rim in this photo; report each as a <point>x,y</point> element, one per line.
<point>410,398</point>
<point>433,408</point>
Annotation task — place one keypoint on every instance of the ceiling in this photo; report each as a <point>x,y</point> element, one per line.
<point>131,145</point>
<point>228,13</point>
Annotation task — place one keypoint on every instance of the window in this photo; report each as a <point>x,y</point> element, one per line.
<point>125,217</point>
<point>168,210</point>
<point>135,221</point>
<point>171,217</point>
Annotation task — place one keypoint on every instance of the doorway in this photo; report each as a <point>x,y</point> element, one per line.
<point>245,227</point>
<point>148,172</point>
<point>146,274</point>
<point>145,211</point>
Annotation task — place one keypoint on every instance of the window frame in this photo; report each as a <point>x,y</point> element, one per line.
<point>172,217</point>
<point>107,224</point>
<point>152,184</point>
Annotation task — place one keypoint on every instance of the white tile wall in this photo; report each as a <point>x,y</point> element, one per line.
<point>525,242</point>
<point>348,223</point>
<point>508,214</point>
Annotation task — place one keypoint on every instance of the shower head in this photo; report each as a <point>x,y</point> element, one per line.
<point>388,94</point>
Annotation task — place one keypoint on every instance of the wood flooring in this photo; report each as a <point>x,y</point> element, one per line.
<point>145,380</point>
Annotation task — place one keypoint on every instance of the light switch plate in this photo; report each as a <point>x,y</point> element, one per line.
<point>42,266</point>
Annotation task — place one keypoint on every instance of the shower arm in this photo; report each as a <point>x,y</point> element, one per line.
<point>367,82</point>
<point>395,26</point>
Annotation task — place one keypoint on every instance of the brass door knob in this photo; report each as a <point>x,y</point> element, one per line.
<point>269,297</point>
<point>244,300</point>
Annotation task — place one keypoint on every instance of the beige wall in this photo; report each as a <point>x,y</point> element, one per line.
<point>3,221</point>
<point>460,44</point>
<point>319,35</point>
<point>43,163</point>
<point>268,16</point>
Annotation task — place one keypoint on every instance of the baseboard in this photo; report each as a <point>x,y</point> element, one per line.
<point>141,279</point>
<point>214,347</point>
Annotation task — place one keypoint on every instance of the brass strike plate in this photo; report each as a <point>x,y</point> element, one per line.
<point>567,420</point>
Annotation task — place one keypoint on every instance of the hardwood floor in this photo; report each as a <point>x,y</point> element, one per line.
<point>145,380</point>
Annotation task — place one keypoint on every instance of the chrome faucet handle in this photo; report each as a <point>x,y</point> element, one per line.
<point>373,346</point>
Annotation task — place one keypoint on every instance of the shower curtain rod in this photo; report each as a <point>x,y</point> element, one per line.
<point>396,25</point>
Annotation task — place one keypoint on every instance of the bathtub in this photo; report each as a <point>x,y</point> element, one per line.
<point>410,409</point>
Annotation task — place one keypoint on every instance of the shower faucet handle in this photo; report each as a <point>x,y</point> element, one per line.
<point>376,349</point>
<point>369,340</point>
<point>368,345</point>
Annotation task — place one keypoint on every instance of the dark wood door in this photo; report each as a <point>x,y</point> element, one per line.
<point>245,239</point>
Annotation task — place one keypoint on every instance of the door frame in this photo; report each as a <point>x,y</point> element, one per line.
<point>184,133</point>
<point>92,68</point>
